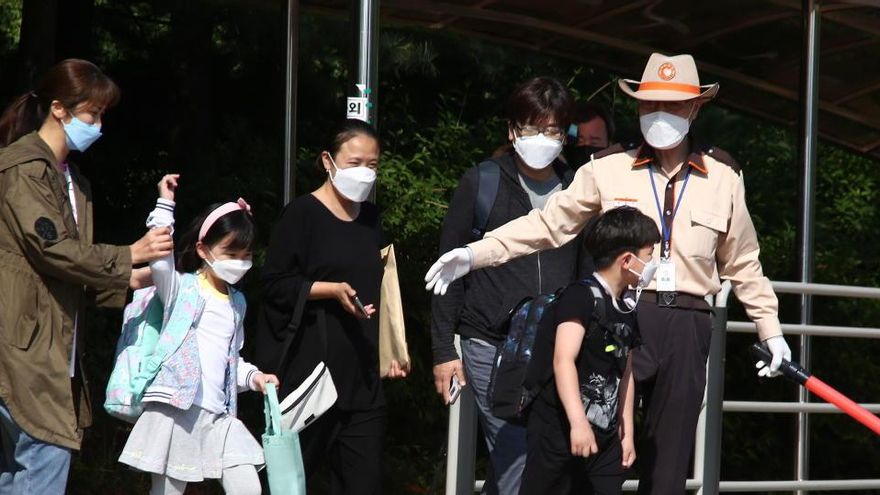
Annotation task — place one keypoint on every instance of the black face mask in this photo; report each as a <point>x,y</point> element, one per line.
<point>579,155</point>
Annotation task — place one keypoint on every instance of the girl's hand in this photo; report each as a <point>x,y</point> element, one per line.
<point>261,379</point>
<point>167,186</point>
<point>345,295</point>
<point>398,371</point>
<point>583,442</point>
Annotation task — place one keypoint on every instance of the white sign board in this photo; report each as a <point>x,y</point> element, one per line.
<point>356,108</point>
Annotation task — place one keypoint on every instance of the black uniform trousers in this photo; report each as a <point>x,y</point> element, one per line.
<point>670,372</point>
<point>550,467</point>
<point>352,443</point>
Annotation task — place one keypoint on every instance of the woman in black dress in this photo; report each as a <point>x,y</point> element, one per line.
<point>324,253</point>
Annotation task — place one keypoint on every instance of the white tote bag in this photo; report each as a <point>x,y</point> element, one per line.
<point>310,400</point>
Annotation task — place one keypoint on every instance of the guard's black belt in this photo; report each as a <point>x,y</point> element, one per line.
<point>675,300</point>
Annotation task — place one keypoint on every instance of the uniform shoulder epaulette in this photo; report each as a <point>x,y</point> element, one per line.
<point>614,148</point>
<point>723,157</point>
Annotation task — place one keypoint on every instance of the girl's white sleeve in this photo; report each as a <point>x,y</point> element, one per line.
<point>246,372</point>
<point>165,276</point>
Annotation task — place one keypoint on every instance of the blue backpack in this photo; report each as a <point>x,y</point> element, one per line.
<point>141,325</point>
<point>523,363</point>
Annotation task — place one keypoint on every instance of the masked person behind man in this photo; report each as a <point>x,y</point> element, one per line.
<point>697,197</point>
<point>591,132</point>
<point>487,196</point>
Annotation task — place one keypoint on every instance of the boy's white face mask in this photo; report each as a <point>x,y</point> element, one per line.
<point>645,278</point>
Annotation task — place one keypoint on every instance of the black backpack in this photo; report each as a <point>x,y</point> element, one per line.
<point>523,363</point>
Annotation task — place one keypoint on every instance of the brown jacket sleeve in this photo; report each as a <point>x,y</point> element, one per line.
<point>35,213</point>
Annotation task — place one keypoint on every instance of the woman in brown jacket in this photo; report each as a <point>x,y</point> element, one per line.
<point>47,263</point>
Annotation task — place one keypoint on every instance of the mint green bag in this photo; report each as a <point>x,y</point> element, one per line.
<point>284,464</point>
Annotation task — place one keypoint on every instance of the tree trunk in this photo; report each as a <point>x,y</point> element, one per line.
<point>36,47</point>
<point>75,33</point>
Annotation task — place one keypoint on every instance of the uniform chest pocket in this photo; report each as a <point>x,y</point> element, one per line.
<point>706,226</point>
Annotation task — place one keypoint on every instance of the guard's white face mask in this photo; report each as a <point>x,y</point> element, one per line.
<point>354,183</point>
<point>663,130</point>
<point>537,151</point>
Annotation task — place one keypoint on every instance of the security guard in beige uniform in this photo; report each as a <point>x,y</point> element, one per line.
<point>697,197</point>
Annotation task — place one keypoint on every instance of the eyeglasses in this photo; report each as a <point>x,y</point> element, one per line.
<point>551,131</point>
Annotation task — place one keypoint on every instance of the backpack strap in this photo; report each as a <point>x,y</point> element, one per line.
<point>489,177</point>
<point>599,315</point>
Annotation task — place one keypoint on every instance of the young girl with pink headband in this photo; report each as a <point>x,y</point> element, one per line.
<point>188,431</point>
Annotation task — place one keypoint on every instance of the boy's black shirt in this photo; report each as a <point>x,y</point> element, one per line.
<point>599,370</point>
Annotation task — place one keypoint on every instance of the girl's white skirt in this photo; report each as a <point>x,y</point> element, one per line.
<point>189,445</point>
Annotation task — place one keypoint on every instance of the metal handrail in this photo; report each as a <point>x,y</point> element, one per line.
<point>460,463</point>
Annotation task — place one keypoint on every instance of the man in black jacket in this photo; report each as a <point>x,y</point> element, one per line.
<point>488,196</point>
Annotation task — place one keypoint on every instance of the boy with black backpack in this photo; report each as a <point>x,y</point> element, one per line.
<point>580,427</point>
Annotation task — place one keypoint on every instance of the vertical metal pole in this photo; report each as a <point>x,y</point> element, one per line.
<point>366,82</point>
<point>715,395</point>
<point>462,441</point>
<point>290,100</point>
<point>808,147</point>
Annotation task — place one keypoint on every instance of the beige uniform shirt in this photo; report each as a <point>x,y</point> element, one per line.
<point>713,237</point>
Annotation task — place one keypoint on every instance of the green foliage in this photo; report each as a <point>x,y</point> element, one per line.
<point>203,93</point>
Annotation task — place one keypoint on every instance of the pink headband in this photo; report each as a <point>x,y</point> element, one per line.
<point>221,210</point>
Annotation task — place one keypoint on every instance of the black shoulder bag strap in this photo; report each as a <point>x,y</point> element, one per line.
<point>295,321</point>
<point>487,190</point>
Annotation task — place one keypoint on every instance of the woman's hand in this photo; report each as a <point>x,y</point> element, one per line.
<point>346,297</point>
<point>398,371</point>
<point>261,379</point>
<point>167,186</point>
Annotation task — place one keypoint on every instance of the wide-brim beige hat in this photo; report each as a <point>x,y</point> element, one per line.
<point>669,79</point>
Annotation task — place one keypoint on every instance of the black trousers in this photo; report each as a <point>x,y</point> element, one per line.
<point>670,371</point>
<point>550,467</point>
<point>352,443</point>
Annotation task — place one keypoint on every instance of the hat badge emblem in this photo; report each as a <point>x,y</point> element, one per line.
<point>666,71</point>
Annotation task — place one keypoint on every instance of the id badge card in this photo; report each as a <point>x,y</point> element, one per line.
<point>666,276</point>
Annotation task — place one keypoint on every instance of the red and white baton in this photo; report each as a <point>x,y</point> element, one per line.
<point>796,373</point>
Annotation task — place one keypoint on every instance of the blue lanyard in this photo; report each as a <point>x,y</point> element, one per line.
<point>667,229</point>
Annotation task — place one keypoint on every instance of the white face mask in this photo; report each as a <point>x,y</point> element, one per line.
<point>664,130</point>
<point>645,278</point>
<point>537,151</point>
<point>353,183</point>
<point>230,271</point>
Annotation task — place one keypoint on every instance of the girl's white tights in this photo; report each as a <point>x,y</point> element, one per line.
<point>236,480</point>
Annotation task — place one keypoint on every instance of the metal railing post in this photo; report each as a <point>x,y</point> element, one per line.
<point>808,148</point>
<point>711,473</point>
<point>462,441</point>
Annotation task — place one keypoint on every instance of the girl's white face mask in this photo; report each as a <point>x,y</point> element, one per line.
<point>354,183</point>
<point>663,130</point>
<point>537,151</point>
<point>231,270</point>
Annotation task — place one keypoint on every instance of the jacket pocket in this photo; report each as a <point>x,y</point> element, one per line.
<point>18,308</point>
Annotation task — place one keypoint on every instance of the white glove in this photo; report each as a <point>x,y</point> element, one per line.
<point>450,267</point>
<point>779,350</point>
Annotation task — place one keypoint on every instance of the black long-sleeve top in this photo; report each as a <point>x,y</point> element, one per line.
<point>311,244</point>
